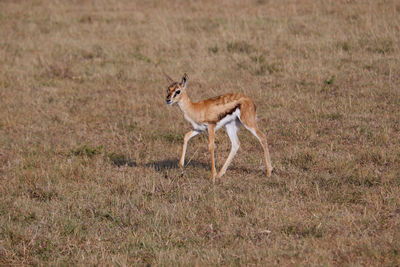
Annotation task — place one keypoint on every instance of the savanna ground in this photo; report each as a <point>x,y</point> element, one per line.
<point>89,150</point>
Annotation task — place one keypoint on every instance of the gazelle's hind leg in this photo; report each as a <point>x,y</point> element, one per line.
<point>248,119</point>
<point>231,129</point>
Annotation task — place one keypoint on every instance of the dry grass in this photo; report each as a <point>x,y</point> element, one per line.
<point>88,149</point>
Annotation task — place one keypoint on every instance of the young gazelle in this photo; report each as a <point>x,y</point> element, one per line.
<point>229,110</point>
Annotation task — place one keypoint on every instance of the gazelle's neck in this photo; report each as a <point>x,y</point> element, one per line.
<point>185,104</point>
<point>191,113</point>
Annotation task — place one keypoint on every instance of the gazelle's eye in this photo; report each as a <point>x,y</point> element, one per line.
<point>177,92</point>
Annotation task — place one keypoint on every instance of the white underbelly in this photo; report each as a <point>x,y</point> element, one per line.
<point>197,126</point>
<point>225,120</point>
<point>228,118</point>
<point>200,127</point>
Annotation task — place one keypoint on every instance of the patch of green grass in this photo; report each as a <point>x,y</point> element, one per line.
<point>239,47</point>
<point>330,81</point>
<point>334,116</point>
<point>367,132</point>
<point>86,150</point>
<point>120,160</point>
<point>302,160</point>
<point>213,49</point>
<point>42,195</point>
<point>133,126</point>
<point>44,249</point>
<point>168,137</point>
<point>259,66</point>
<point>303,231</point>
<point>382,46</point>
<point>345,46</point>
<point>353,196</point>
<point>139,56</point>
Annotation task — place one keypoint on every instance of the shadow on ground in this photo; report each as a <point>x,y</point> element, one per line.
<point>121,160</point>
<point>168,164</point>
<point>160,165</point>
<point>173,164</point>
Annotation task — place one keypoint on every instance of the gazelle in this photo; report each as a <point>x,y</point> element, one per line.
<point>229,110</point>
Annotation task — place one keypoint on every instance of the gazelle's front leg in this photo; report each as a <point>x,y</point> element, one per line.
<point>188,135</point>
<point>211,146</point>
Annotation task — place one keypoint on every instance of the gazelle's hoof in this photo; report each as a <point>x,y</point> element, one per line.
<point>213,178</point>
<point>219,175</point>
<point>269,172</point>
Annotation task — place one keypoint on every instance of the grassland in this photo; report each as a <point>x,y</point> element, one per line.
<point>89,150</point>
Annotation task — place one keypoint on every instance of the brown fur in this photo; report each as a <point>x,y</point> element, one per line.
<point>228,112</point>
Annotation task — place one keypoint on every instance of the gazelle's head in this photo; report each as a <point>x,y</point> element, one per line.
<point>175,90</point>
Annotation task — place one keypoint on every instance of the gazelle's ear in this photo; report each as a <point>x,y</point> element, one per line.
<point>184,80</point>
<point>169,79</point>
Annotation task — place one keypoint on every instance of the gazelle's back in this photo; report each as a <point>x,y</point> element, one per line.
<point>219,107</point>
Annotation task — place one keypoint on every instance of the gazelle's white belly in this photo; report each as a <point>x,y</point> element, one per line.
<point>200,127</point>
<point>228,118</point>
